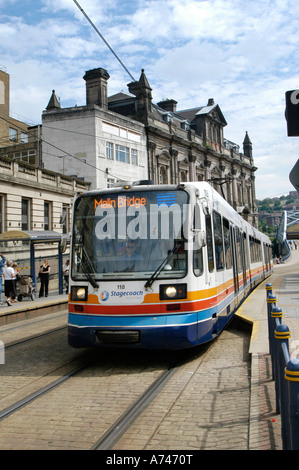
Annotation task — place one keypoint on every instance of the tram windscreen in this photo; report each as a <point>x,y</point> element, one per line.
<point>129,235</point>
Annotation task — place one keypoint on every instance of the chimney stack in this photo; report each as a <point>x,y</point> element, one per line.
<point>168,105</point>
<point>96,87</point>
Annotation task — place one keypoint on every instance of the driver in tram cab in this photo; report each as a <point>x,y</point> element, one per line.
<point>131,251</point>
<point>131,254</point>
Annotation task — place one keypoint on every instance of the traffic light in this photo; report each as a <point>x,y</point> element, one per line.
<point>292,112</point>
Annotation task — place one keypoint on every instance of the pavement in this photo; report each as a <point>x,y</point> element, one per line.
<point>264,422</point>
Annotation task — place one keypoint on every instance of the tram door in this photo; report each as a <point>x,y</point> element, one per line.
<point>234,258</point>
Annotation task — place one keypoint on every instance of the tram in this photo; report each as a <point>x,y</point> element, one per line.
<point>159,266</point>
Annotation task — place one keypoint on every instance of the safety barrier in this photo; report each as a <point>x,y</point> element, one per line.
<point>285,373</point>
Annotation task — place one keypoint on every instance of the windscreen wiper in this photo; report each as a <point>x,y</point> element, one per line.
<point>154,276</point>
<point>85,269</point>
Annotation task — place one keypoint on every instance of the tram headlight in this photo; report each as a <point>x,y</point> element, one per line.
<point>173,291</point>
<point>79,293</point>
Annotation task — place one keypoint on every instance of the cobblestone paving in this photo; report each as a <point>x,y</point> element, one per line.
<point>204,406</point>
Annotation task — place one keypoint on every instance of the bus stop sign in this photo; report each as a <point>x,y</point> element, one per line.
<point>292,112</point>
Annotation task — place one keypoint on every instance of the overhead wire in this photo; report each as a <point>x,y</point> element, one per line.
<point>102,37</point>
<point>122,64</point>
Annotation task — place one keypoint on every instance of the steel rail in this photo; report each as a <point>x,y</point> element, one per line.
<point>42,391</point>
<point>38,336</point>
<point>114,433</point>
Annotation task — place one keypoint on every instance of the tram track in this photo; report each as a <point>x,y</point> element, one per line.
<point>113,434</point>
<point>36,337</point>
<point>154,381</point>
<point>40,327</point>
<point>100,398</point>
<point>111,437</point>
<point>38,393</point>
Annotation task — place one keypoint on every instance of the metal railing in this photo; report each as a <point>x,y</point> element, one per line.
<point>285,373</point>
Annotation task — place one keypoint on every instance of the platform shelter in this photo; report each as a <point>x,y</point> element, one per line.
<point>34,237</point>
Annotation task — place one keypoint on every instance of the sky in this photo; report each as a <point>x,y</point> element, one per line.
<point>244,54</point>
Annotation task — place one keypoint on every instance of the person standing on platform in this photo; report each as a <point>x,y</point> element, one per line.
<point>44,274</point>
<point>2,264</point>
<point>66,270</point>
<point>9,282</point>
<point>16,278</point>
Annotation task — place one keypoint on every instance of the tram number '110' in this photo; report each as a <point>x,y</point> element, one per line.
<point>158,459</point>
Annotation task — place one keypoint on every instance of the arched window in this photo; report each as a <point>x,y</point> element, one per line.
<point>163,179</point>
<point>183,176</point>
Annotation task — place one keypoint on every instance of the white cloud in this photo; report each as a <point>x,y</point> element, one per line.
<point>243,54</point>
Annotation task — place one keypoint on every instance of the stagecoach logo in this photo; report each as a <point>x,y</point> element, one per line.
<point>104,295</point>
<point>122,296</point>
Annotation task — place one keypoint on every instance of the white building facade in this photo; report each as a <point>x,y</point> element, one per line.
<point>90,142</point>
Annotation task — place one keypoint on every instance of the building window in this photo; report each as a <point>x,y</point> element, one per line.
<point>183,176</point>
<point>13,134</point>
<point>24,138</point>
<point>240,199</point>
<point>249,197</point>
<point>109,150</point>
<point>163,179</point>
<point>28,156</point>
<point>47,216</point>
<point>110,182</point>
<point>134,159</point>
<point>65,219</point>
<point>25,216</point>
<point>2,212</point>
<point>122,154</point>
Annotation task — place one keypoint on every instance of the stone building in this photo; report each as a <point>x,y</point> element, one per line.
<point>128,137</point>
<point>18,140</point>
<point>189,145</point>
<point>32,198</point>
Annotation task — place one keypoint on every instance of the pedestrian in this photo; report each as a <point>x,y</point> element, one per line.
<point>66,270</point>
<point>16,278</point>
<point>44,274</point>
<point>2,264</point>
<point>9,284</point>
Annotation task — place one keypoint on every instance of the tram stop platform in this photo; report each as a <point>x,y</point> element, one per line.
<point>28,308</point>
<point>264,422</point>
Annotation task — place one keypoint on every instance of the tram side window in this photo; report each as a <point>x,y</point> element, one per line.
<point>197,252</point>
<point>259,250</point>
<point>252,250</point>
<point>239,254</point>
<point>227,244</point>
<point>245,251</point>
<point>218,239</point>
<point>209,243</point>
